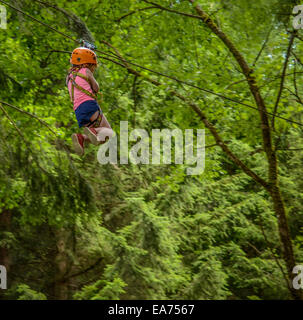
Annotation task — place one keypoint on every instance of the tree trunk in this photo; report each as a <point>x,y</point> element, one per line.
<point>61,266</point>
<point>285,239</point>
<point>5,223</point>
<point>273,189</point>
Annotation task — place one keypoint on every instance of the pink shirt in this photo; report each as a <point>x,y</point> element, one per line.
<point>79,96</point>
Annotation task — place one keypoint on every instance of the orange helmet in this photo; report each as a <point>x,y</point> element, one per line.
<point>83,55</point>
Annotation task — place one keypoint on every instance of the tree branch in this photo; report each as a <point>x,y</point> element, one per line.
<point>173,11</point>
<point>266,133</point>
<point>263,46</point>
<point>297,58</point>
<point>79,25</point>
<point>82,271</point>
<point>13,123</point>
<point>274,188</point>
<point>274,256</point>
<point>30,115</point>
<point>208,125</point>
<point>133,12</point>
<point>23,137</point>
<point>203,117</point>
<point>291,40</point>
<point>251,82</point>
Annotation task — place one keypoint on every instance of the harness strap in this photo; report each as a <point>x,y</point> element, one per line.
<point>95,123</point>
<point>74,84</point>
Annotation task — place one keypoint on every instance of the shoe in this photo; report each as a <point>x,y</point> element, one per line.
<point>78,142</point>
<point>92,135</point>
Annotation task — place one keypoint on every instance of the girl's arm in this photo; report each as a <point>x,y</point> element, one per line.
<point>94,83</point>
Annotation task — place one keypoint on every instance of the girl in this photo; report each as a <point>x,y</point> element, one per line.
<point>83,90</point>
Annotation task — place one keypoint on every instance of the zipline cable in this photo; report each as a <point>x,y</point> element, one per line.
<point>213,93</point>
<point>147,69</point>
<point>36,20</point>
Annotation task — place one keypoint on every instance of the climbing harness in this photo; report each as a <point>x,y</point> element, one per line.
<point>95,123</point>
<point>98,96</point>
<point>74,84</point>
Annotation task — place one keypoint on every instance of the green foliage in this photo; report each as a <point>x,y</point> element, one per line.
<point>26,293</point>
<point>102,290</point>
<point>146,231</point>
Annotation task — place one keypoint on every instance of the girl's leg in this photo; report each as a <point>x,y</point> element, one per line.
<point>104,122</point>
<point>100,134</point>
<point>105,131</point>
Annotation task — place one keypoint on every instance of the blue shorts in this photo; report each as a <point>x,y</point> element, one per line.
<point>85,111</point>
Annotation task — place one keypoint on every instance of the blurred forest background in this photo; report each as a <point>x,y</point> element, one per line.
<point>71,228</point>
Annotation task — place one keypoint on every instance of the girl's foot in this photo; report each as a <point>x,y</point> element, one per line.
<point>78,142</point>
<point>92,135</point>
